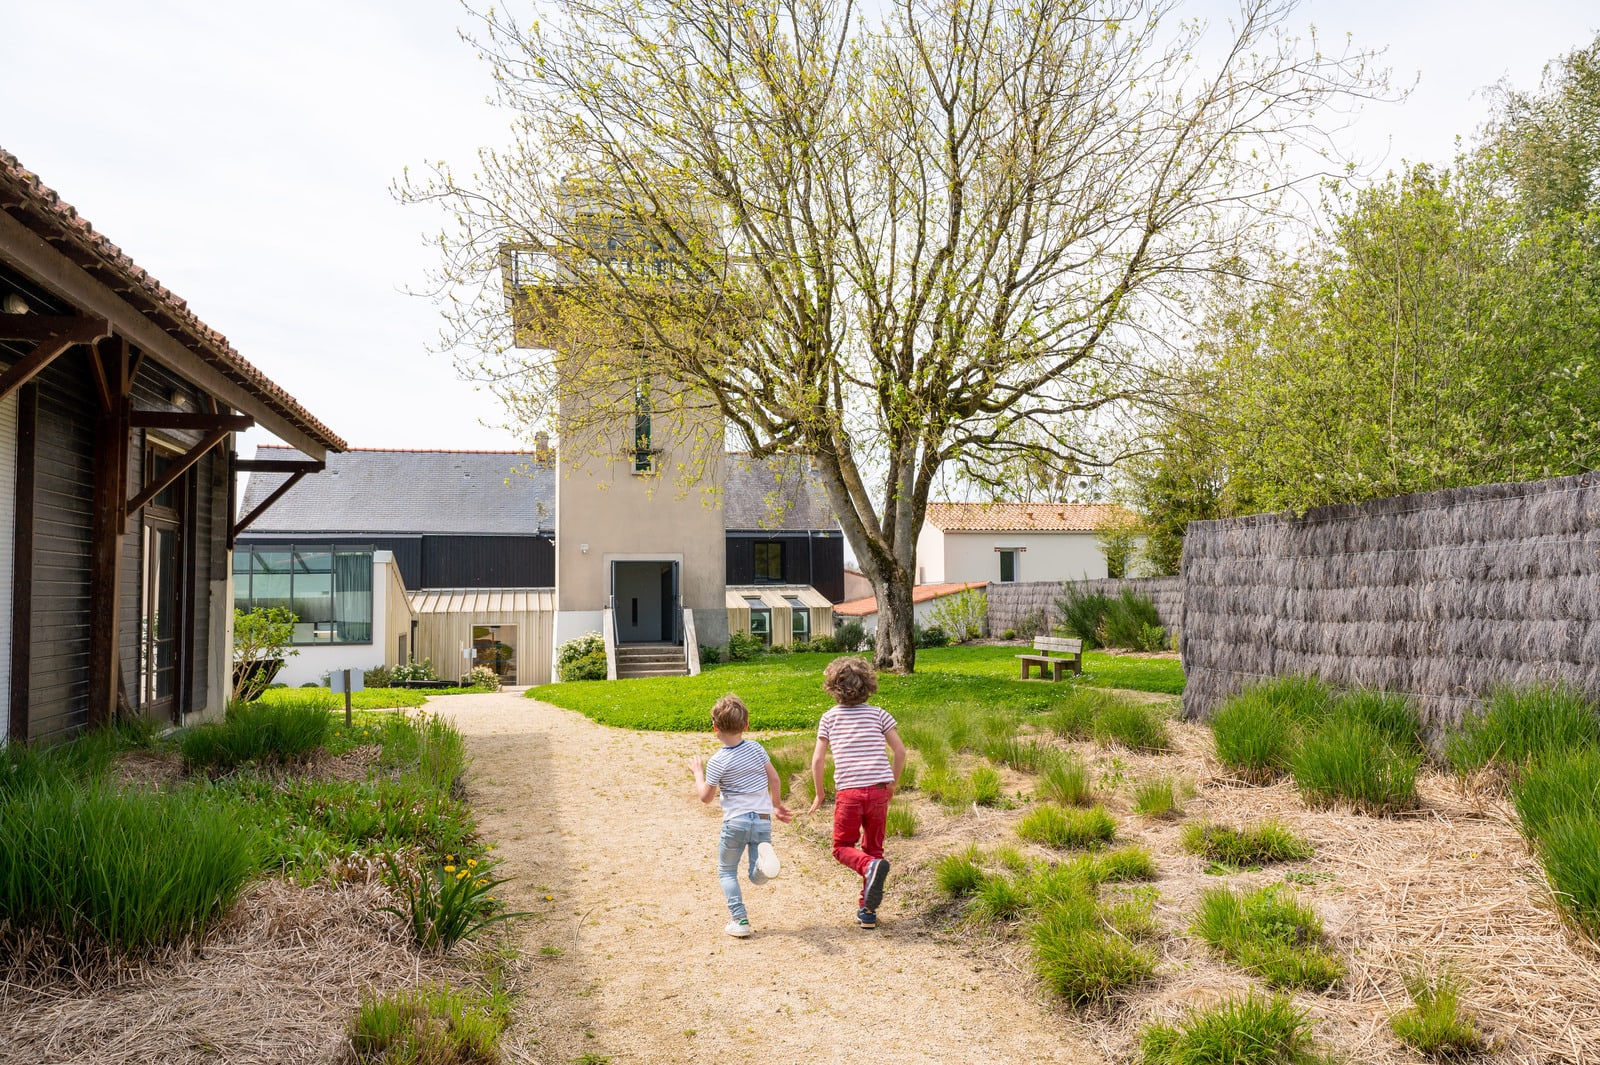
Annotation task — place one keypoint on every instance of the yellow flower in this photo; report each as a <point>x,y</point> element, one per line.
<point>461,875</point>
<point>449,868</point>
<point>481,883</point>
<point>548,898</point>
<point>472,863</point>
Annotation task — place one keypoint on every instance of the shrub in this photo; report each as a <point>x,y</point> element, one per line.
<point>1259,844</point>
<point>1009,634</point>
<point>850,635</point>
<point>1066,781</point>
<point>130,870</point>
<point>984,786</point>
<point>710,656</point>
<point>1253,1030</point>
<point>1269,933</point>
<point>430,1026</point>
<point>1137,726</point>
<point>1130,620</point>
<point>1055,826</point>
<point>1157,797</point>
<point>1519,724</point>
<point>743,646</point>
<point>483,677</point>
<point>414,670</point>
<point>1000,899</point>
<point>1150,638</point>
<point>1081,613</point>
<point>1080,960</point>
<point>1257,729</point>
<point>1031,624</point>
<point>963,615</point>
<point>444,903</point>
<point>259,637</point>
<point>1435,1025</point>
<point>377,677</point>
<point>1347,757</point>
<point>931,636</point>
<point>959,874</point>
<point>902,820</point>
<point>280,733</point>
<point>826,645</point>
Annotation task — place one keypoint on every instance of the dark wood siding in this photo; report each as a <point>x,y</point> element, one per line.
<point>488,562</point>
<point>814,560</point>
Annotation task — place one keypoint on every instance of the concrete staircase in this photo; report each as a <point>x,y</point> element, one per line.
<point>651,660</point>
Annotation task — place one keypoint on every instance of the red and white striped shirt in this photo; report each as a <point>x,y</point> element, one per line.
<point>855,734</point>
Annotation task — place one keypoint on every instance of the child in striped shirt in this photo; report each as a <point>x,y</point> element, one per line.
<point>751,794</point>
<point>863,779</point>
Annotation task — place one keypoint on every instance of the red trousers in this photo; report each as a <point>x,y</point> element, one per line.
<point>860,816</point>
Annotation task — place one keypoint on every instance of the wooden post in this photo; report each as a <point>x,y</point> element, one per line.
<point>107,528</point>
<point>347,686</point>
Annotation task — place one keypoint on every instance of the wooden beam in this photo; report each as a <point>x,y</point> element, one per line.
<point>22,565</point>
<point>50,347</point>
<point>278,466</point>
<point>176,470</point>
<point>261,508</point>
<point>200,422</point>
<point>37,328</point>
<point>107,526</point>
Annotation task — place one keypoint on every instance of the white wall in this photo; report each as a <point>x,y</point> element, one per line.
<point>923,612</point>
<point>950,557</point>
<point>311,663</point>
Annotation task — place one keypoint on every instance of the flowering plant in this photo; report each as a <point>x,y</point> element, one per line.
<point>446,903</point>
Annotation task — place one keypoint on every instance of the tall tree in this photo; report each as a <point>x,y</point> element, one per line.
<point>953,236</point>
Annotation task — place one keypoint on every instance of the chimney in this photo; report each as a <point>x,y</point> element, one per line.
<point>541,447</point>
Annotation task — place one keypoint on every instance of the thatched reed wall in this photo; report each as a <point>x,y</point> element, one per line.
<point>1440,595</point>
<point>1009,603</point>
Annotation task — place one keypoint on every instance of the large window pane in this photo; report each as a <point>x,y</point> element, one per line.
<point>352,596</point>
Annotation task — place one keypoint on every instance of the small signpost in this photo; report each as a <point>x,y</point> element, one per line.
<point>348,681</point>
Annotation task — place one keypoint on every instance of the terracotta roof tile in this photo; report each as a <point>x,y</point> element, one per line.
<point>21,189</point>
<point>919,594</point>
<point>1025,517</point>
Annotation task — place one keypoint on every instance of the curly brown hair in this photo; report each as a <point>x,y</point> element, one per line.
<point>729,714</point>
<point>851,681</point>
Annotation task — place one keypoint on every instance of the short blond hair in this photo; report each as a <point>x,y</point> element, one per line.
<point>851,681</point>
<point>729,714</point>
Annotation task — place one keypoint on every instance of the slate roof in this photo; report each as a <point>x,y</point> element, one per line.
<point>376,491</point>
<point>1025,517</point>
<point>365,491</point>
<point>40,208</point>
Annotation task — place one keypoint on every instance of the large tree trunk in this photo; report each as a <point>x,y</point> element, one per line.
<point>897,647</point>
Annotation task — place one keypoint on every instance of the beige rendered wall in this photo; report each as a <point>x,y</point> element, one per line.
<point>1045,557</point>
<point>930,558</point>
<point>396,607</point>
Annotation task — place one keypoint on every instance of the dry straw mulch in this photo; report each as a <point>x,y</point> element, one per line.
<point>1451,883</point>
<point>277,981</point>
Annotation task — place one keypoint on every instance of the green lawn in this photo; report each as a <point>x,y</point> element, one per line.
<point>785,691</point>
<point>366,699</point>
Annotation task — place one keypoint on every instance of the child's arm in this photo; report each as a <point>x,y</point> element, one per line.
<point>897,748</point>
<point>819,765</point>
<point>707,792</point>
<point>775,792</point>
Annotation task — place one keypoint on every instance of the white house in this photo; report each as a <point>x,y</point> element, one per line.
<point>1006,542</point>
<point>925,599</point>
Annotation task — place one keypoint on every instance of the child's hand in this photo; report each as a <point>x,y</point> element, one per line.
<point>697,766</point>
<point>816,804</point>
<point>782,812</point>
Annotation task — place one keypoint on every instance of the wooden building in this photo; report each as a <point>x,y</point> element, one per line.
<point>118,409</point>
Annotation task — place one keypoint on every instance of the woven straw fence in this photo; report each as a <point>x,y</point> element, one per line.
<point>1008,603</point>
<point>1441,595</point>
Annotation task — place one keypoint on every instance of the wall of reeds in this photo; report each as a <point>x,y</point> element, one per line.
<point>1009,604</point>
<point>1440,595</point>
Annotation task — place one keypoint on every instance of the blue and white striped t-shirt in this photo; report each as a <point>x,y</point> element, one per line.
<point>855,733</point>
<point>741,772</point>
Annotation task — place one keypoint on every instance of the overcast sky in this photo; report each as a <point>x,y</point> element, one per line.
<point>243,154</point>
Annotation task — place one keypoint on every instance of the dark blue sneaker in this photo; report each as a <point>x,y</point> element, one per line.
<point>866,918</point>
<point>877,873</point>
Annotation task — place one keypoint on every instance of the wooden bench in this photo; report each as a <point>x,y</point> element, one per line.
<point>1045,645</point>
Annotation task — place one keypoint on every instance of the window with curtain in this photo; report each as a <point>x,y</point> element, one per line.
<point>328,589</point>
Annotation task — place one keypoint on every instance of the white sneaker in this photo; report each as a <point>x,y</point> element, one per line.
<point>767,861</point>
<point>738,929</point>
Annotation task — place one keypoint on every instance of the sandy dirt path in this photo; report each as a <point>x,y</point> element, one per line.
<point>614,854</point>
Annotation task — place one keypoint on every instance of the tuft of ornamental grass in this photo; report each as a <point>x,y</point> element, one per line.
<point>946,787</point>
<point>983,785</point>
<point>1270,933</point>
<point>1518,725</point>
<point>1131,912</point>
<point>1561,784</point>
<point>1125,863</point>
<point>1066,781</point>
<point>908,777</point>
<point>1259,844</point>
<point>1255,731</point>
<point>1062,883</point>
<point>1251,1030</point>
<point>280,733</point>
<point>1136,726</point>
<point>1569,847</point>
<point>1073,717</point>
<point>959,874</point>
<point>1000,898</point>
<point>1056,826</point>
<point>1436,1026</point>
<point>1079,958</point>
<point>1347,758</point>
<point>437,1025</point>
<point>1025,756</point>
<point>130,870</point>
<point>902,820</point>
<point>1157,797</point>
<point>1392,714</point>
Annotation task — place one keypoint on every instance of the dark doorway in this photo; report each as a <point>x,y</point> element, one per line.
<point>644,597</point>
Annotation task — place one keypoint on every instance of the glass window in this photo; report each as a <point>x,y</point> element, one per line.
<point>769,563</point>
<point>328,589</point>
<point>495,646</point>
<point>643,454</point>
<point>800,628</point>
<point>1008,567</point>
<point>760,620</point>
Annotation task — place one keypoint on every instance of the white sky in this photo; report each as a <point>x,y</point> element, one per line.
<point>243,154</point>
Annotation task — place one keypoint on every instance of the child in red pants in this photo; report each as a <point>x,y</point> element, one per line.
<point>863,779</point>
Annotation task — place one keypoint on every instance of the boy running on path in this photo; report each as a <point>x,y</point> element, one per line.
<point>863,779</point>
<point>751,794</point>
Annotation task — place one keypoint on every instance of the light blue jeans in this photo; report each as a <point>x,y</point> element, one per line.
<point>741,834</point>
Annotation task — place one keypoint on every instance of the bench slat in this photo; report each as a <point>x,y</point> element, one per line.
<point>1058,643</point>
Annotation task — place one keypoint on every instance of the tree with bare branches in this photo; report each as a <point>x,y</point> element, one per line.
<point>949,235</point>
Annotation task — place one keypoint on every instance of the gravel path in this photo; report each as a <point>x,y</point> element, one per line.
<point>627,959</point>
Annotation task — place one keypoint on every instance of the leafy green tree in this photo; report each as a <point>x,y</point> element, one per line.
<point>260,636</point>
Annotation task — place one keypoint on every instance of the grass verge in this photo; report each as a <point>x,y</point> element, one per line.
<point>1269,933</point>
<point>1250,1030</point>
<point>428,1026</point>
<point>1259,844</point>
<point>1056,826</point>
